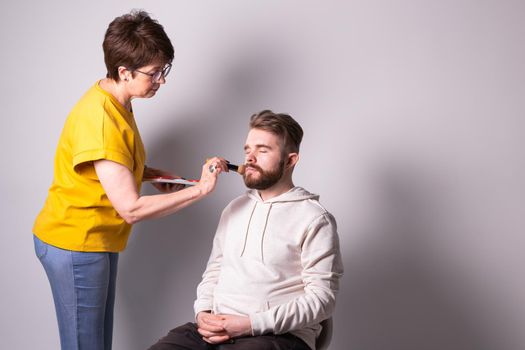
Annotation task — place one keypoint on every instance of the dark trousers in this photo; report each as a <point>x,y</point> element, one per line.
<point>186,337</point>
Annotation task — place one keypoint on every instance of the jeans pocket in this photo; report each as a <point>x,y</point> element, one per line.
<point>40,247</point>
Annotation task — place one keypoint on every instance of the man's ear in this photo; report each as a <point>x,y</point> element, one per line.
<point>292,159</point>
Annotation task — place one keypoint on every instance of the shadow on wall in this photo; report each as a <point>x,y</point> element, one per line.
<point>395,296</point>
<point>164,261</point>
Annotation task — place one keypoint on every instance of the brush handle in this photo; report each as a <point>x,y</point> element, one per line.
<point>236,168</point>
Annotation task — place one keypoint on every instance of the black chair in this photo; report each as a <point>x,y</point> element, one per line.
<point>324,338</point>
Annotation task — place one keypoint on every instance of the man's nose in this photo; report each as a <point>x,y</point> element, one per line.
<point>250,158</point>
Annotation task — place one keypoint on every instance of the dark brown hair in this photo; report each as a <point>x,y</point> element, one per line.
<point>135,40</point>
<point>281,125</point>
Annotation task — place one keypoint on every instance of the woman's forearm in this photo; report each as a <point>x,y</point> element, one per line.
<point>119,184</point>
<point>156,206</point>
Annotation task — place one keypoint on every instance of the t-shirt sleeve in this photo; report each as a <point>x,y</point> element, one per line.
<point>99,136</point>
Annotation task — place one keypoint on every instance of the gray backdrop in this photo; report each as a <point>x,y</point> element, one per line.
<point>414,121</point>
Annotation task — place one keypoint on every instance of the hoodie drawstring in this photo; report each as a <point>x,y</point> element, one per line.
<point>248,229</point>
<point>264,231</point>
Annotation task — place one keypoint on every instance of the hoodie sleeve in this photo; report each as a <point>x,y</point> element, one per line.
<point>322,268</point>
<point>210,277</point>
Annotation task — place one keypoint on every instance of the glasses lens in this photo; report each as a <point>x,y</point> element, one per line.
<point>160,74</point>
<point>156,76</point>
<point>166,70</point>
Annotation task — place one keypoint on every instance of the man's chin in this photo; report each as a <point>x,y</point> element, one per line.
<point>258,179</point>
<point>255,187</point>
<point>250,184</point>
<point>251,175</point>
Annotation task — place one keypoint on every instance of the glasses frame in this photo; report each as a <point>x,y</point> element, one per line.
<point>158,75</point>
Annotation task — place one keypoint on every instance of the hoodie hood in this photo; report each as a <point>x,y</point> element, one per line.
<point>293,195</point>
<point>260,213</point>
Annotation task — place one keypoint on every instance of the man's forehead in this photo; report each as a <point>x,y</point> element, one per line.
<point>262,137</point>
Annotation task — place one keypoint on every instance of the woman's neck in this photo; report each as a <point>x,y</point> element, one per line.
<point>118,91</point>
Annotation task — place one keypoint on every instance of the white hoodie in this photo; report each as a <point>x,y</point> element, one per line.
<point>276,261</point>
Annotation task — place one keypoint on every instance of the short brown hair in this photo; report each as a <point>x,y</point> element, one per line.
<point>135,40</point>
<point>281,125</point>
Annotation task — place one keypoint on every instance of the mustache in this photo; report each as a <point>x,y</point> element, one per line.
<point>256,167</point>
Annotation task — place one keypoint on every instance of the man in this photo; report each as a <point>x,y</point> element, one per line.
<point>274,269</point>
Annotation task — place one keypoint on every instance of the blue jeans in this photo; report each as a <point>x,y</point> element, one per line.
<point>83,287</point>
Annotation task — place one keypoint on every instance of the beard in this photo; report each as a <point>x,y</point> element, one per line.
<point>266,179</point>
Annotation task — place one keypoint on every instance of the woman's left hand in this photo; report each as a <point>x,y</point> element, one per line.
<point>153,173</point>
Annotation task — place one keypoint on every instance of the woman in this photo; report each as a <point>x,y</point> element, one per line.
<point>99,167</point>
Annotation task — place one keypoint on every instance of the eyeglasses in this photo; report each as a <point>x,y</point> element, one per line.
<point>156,76</point>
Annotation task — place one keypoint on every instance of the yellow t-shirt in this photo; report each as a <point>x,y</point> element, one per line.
<point>77,214</point>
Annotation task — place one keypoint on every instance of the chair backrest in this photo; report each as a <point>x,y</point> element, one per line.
<point>324,338</point>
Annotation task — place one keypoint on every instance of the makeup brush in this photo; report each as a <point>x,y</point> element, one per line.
<point>237,168</point>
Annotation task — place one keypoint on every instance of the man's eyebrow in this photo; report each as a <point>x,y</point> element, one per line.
<point>260,145</point>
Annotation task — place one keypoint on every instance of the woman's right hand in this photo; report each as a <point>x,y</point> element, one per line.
<point>210,173</point>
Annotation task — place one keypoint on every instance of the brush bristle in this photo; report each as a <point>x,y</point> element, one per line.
<point>241,169</point>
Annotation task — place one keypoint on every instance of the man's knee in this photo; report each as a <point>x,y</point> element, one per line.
<point>180,338</point>
<point>263,342</point>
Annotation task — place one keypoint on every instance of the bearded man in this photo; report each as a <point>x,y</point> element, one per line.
<point>274,270</point>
